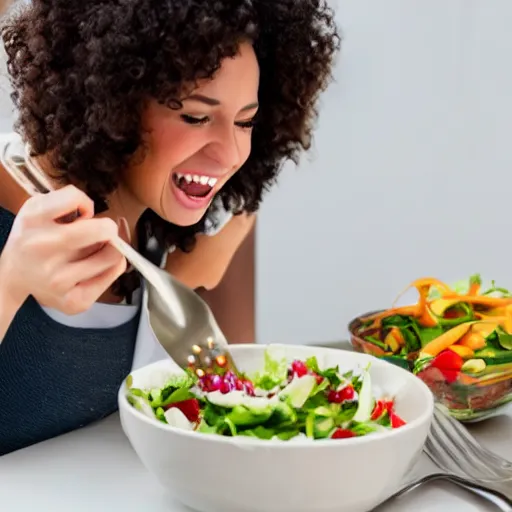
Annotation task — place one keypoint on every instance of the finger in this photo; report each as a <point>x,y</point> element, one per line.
<point>60,203</point>
<point>93,266</point>
<point>88,292</point>
<point>124,234</point>
<point>79,235</point>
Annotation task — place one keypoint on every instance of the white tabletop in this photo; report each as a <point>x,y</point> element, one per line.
<point>96,468</point>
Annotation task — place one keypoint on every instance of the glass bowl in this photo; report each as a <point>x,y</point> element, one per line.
<point>468,397</point>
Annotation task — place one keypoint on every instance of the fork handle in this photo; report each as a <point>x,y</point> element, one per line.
<point>498,499</point>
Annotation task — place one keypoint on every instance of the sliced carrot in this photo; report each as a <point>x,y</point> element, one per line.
<point>378,317</point>
<point>475,283</point>
<point>474,289</point>
<point>463,351</point>
<point>427,319</point>
<point>446,339</point>
<point>472,340</point>
<point>482,300</point>
<point>396,334</point>
<point>507,324</point>
<point>426,283</point>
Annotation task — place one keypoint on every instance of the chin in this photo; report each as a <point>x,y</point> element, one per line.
<point>185,219</point>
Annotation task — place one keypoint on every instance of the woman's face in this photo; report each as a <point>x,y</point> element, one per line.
<point>190,153</point>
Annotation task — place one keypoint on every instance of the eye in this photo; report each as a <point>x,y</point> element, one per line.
<point>194,120</point>
<point>246,125</point>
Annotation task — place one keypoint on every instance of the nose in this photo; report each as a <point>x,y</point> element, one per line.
<point>225,149</point>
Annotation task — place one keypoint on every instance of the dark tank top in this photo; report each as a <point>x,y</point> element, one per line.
<point>55,378</point>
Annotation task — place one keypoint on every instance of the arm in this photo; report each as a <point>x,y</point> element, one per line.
<point>222,267</point>
<point>206,265</point>
<point>9,303</point>
<point>233,300</point>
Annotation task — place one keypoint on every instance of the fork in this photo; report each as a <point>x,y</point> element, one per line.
<point>181,320</point>
<point>491,495</point>
<point>453,449</point>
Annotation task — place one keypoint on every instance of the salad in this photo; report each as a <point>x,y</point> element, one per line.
<point>454,337</point>
<point>282,402</point>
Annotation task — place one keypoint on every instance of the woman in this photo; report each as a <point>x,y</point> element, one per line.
<point>163,121</point>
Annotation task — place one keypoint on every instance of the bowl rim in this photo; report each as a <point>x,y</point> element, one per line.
<point>255,443</point>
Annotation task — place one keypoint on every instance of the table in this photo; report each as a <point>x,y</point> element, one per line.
<point>95,468</point>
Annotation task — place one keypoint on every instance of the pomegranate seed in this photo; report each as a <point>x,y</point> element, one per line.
<point>249,388</point>
<point>230,377</point>
<point>226,387</point>
<point>215,383</point>
<point>342,433</point>
<point>299,368</point>
<point>239,385</point>
<point>334,397</point>
<point>337,397</point>
<point>190,408</point>
<point>347,393</point>
<point>319,378</point>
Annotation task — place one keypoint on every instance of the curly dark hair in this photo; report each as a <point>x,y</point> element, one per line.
<point>82,70</point>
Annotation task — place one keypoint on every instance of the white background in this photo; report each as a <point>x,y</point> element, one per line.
<point>411,174</point>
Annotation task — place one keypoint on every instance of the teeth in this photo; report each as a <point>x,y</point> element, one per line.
<point>196,178</point>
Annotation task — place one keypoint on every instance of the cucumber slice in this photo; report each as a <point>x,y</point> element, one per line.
<point>366,401</point>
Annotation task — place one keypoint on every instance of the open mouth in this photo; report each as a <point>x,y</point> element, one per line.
<point>194,185</point>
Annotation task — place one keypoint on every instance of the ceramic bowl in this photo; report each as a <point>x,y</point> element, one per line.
<point>211,473</point>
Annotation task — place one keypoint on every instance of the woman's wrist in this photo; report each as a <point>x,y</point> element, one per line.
<point>11,299</point>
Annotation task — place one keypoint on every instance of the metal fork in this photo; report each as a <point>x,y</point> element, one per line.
<point>182,321</point>
<point>491,495</point>
<point>449,443</point>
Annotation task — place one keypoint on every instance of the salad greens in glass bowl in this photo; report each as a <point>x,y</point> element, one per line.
<point>282,401</point>
<point>457,339</point>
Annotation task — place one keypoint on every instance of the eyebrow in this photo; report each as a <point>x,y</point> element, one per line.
<point>212,102</point>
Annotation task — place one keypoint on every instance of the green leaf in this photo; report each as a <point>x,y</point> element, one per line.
<point>475,279</point>
<point>376,342</point>
<point>427,334</point>
<point>412,342</point>
<point>505,340</point>
<point>179,395</point>
<point>214,415</point>
<point>159,413</point>
<point>206,429</point>
<point>260,432</point>
<point>348,411</point>
<point>274,373</point>
<point>361,429</point>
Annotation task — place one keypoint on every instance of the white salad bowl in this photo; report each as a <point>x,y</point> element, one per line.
<point>213,473</point>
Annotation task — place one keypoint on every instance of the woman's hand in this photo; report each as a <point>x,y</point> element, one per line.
<point>66,266</point>
<point>205,266</point>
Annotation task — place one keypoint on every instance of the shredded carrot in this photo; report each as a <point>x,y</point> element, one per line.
<point>378,317</point>
<point>482,300</point>
<point>426,283</point>
<point>474,288</point>
<point>463,351</point>
<point>427,319</point>
<point>446,339</point>
<point>472,340</point>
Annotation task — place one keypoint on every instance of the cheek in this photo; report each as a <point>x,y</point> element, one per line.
<point>245,148</point>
